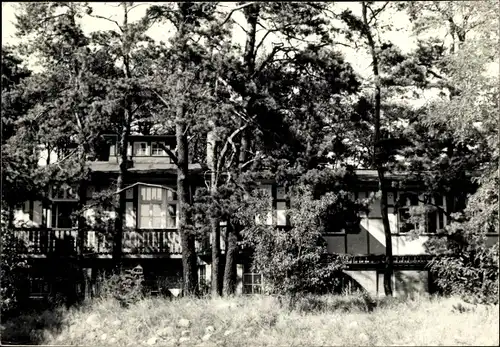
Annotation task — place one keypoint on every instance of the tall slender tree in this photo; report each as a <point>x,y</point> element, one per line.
<point>366,25</point>
<point>460,57</point>
<point>182,84</point>
<point>275,36</point>
<point>65,90</point>
<point>124,99</point>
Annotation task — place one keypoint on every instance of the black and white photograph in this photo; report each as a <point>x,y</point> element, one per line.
<point>255,173</point>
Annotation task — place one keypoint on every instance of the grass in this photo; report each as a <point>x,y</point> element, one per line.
<point>262,321</point>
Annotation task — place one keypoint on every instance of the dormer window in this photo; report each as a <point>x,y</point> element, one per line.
<point>141,149</point>
<point>137,146</point>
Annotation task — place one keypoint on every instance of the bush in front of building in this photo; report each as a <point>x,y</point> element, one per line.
<point>13,268</point>
<point>466,264</point>
<point>295,260</point>
<point>127,287</point>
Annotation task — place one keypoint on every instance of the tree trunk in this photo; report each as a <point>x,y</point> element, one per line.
<point>251,14</point>
<point>377,160</point>
<point>189,260</point>
<point>389,260</point>
<point>214,222</point>
<point>82,231</point>
<point>233,231</point>
<point>120,199</point>
<point>230,268</point>
<point>122,158</point>
<point>216,253</point>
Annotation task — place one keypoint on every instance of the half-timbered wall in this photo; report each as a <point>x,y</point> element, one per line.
<point>370,237</point>
<point>151,215</point>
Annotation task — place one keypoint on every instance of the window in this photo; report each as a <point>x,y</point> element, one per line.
<point>434,214</point>
<point>265,192</point>
<point>39,287</point>
<point>112,150</point>
<point>203,273</point>
<point>281,206</point>
<point>252,283</point>
<point>405,203</point>
<point>278,204</point>
<point>26,207</point>
<point>403,216</point>
<point>130,213</point>
<point>141,148</point>
<point>157,208</point>
<point>61,215</point>
<point>157,150</point>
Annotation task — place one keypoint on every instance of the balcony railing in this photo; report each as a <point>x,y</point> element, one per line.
<point>42,241</point>
<point>397,259</point>
<point>63,241</point>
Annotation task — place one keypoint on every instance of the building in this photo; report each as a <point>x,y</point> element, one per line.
<point>150,237</point>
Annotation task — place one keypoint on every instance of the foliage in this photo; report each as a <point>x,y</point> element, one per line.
<point>466,265</point>
<point>126,287</point>
<point>285,105</point>
<point>295,259</point>
<point>12,268</point>
<point>453,142</point>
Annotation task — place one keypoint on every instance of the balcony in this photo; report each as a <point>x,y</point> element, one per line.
<point>62,242</point>
<point>397,259</point>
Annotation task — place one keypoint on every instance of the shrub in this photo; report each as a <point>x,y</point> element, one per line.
<point>466,265</point>
<point>295,260</point>
<point>12,269</point>
<point>126,287</point>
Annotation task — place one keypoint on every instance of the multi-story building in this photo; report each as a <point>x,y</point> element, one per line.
<point>150,237</point>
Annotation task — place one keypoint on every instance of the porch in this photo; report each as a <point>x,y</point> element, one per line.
<point>135,243</point>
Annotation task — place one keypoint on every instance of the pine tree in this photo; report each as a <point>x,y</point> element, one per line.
<point>465,114</point>
<point>365,26</point>
<point>268,132</point>
<point>182,84</point>
<point>124,98</point>
<point>11,265</point>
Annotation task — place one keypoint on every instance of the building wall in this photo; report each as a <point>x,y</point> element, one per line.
<point>369,238</point>
<point>404,282</point>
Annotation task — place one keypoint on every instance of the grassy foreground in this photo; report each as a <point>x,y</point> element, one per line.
<point>262,321</point>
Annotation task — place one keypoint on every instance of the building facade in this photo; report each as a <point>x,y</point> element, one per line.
<point>48,233</point>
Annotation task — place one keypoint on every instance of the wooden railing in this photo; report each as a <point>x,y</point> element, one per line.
<point>152,242</point>
<point>397,259</point>
<point>63,241</point>
<point>42,241</point>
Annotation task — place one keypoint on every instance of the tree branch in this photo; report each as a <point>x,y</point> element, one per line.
<point>137,108</point>
<point>170,153</point>
<point>241,27</point>
<point>142,3</point>
<point>268,60</point>
<point>229,141</point>
<point>440,208</point>
<point>250,161</point>
<point>262,40</point>
<point>236,9</point>
<point>66,157</point>
<point>375,13</point>
<point>161,98</point>
<point>108,19</point>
